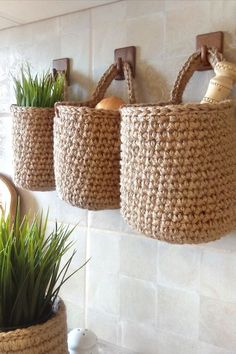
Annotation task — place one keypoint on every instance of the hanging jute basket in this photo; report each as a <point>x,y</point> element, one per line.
<point>32,132</point>
<point>87,149</point>
<point>178,166</point>
<point>47,338</point>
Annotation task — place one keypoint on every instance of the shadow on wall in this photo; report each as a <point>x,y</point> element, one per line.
<point>150,85</point>
<point>80,85</point>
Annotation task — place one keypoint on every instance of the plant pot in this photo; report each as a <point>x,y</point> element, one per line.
<point>33,147</point>
<point>49,337</point>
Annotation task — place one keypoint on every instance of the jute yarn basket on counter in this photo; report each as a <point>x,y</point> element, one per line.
<point>178,166</point>
<point>46,338</point>
<point>87,148</point>
<point>32,131</point>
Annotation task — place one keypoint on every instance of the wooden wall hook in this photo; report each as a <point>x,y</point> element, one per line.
<point>126,54</point>
<point>119,64</point>
<point>204,59</point>
<point>209,40</point>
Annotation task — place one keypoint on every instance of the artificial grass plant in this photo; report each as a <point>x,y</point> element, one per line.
<point>31,273</point>
<point>38,91</point>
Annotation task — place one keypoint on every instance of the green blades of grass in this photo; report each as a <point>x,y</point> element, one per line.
<point>31,270</point>
<point>38,91</point>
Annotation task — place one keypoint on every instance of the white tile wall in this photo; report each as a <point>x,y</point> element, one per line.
<point>139,337</point>
<point>104,250</point>
<point>211,349</point>
<point>178,311</point>
<point>138,300</point>
<point>179,266</point>
<point>103,292</point>
<point>148,296</point>
<point>218,275</point>
<point>218,323</point>
<point>172,344</point>
<point>138,257</point>
<point>104,325</point>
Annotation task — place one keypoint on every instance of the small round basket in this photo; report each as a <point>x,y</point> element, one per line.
<point>46,338</point>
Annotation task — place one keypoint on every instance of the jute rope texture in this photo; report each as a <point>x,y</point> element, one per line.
<point>33,147</point>
<point>87,149</point>
<point>178,167</point>
<point>47,338</point>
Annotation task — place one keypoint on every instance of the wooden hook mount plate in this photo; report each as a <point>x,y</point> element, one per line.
<point>62,66</point>
<point>213,39</point>
<point>127,54</point>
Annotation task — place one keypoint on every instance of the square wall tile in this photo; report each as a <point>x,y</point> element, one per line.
<point>218,323</point>
<point>104,250</point>
<point>218,275</point>
<point>179,265</point>
<point>181,29</point>
<point>150,83</point>
<point>103,292</point>
<point>75,44</point>
<point>212,349</point>
<point>147,33</point>
<point>178,312</point>
<point>104,325</point>
<point>106,37</point>
<point>136,8</point>
<point>99,14</point>
<point>222,17</point>
<point>75,315</point>
<point>177,4</point>
<point>169,343</point>
<point>137,300</point>
<point>108,220</point>
<point>138,257</point>
<point>139,337</point>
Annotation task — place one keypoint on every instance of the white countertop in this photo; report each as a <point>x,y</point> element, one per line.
<point>107,348</point>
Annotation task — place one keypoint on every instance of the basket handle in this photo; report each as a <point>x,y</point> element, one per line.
<point>107,79</point>
<point>188,69</point>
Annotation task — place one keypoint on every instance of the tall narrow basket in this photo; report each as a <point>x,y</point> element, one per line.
<point>87,149</point>
<point>178,166</point>
<point>32,133</point>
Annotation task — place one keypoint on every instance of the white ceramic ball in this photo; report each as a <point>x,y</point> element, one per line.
<point>82,341</point>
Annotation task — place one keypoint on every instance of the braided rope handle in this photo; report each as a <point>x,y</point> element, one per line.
<point>102,86</point>
<point>130,83</point>
<point>107,79</point>
<point>187,71</point>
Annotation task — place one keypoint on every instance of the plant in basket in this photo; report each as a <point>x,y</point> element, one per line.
<point>32,316</point>
<point>33,128</point>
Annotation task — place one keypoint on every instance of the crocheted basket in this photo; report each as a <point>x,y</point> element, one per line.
<point>47,338</point>
<point>33,147</point>
<point>178,166</point>
<point>87,149</point>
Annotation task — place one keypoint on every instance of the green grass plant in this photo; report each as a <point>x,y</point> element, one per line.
<point>38,91</point>
<point>31,269</point>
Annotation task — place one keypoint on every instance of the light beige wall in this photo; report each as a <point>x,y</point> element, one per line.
<point>149,296</point>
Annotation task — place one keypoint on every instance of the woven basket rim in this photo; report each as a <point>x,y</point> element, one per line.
<point>59,309</point>
<point>15,107</point>
<point>182,106</point>
<point>67,108</point>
